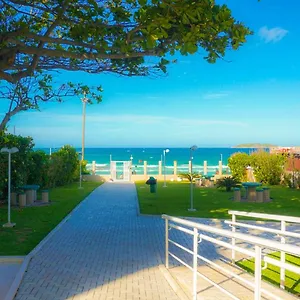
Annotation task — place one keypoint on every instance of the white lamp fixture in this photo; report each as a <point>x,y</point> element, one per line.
<point>164,152</point>
<point>9,151</point>
<point>192,148</point>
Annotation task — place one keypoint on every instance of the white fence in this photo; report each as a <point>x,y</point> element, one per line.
<point>282,233</point>
<point>198,232</point>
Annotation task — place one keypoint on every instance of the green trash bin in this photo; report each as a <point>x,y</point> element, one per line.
<point>152,182</point>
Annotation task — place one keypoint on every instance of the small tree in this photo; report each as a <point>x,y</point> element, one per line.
<point>124,37</point>
<point>238,163</point>
<point>268,167</point>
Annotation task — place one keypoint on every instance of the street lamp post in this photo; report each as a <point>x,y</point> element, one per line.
<point>9,151</point>
<point>193,148</point>
<point>84,100</point>
<point>164,152</point>
<point>80,171</point>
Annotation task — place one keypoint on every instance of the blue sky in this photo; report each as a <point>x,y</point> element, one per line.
<point>252,98</point>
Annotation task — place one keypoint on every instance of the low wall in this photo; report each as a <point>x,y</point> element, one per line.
<point>103,178</point>
<point>97,178</point>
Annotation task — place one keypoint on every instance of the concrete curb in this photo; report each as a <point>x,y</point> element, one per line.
<point>18,279</point>
<point>138,212</point>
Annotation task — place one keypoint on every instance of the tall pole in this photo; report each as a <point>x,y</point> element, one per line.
<point>9,151</point>
<point>80,176</point>
<point>164,168</point>
<point>9,180</point>
<point>83,127</point>
<point>191,184</point>
<point>80,173</point>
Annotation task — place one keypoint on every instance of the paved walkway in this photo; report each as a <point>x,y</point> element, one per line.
<point>106,251</point>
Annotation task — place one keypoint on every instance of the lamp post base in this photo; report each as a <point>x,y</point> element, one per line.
<point>192,209</point>
<point>164,186</point>
<point>9,225</point>
<point>80,188</point>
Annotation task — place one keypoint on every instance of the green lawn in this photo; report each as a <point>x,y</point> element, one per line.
<point>34,223</point>
<point>211,202</point>
<point>272,273</point>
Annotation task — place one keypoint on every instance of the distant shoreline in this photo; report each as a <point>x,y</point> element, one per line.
<point>258,146</point>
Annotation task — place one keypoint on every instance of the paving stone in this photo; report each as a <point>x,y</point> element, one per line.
<point>99,251</point>
<point>106,251</point>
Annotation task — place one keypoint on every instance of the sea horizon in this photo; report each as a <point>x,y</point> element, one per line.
<point>152,155</point>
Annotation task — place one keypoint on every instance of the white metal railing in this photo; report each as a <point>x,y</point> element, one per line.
<point>282,233</point>
<point>198,232</point>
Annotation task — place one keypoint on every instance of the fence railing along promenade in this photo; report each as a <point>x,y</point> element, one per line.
<point>170,170</point>
<point>201,232</point>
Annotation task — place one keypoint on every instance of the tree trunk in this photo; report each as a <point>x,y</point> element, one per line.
<point>8,115</point>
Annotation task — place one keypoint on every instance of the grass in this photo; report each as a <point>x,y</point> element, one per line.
<point>34,223</point>
<point>272,273</point>
<point>211,202</point>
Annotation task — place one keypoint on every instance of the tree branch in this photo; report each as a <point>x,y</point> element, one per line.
<point>8,115</point>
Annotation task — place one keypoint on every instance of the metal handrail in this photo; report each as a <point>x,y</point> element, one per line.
<point>295,250</point>
<point>261,228</point>
<point>258,242</point>
<point>283,233</point>
<point>265,216</point>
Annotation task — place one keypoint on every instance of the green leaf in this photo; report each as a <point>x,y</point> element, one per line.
<point>142,2</point>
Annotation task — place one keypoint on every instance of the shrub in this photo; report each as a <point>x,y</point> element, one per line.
<point>238,163</point>
<point>268,167</point>
<point>19,161</point>
<point>63,166</point>
<point>228,183</point>
<point>38,168</point>
<point>189,176</point>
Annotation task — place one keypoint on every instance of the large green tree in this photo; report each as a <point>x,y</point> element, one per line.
<point>127,37</point>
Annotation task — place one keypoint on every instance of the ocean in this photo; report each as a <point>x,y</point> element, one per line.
<point>102,158</point>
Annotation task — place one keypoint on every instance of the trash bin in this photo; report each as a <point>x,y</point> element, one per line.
<point>152,183</point>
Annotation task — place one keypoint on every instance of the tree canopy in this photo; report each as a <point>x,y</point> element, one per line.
<point>126,37</point>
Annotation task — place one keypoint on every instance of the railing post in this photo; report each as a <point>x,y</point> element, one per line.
<point>195,263</point>
<point>233,239</point>
<point>282,256</point>
<point>257,274</point>
<point>167,243</point>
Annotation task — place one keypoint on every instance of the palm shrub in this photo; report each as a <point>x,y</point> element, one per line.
<point>189,176</point>
<point>228,183</point>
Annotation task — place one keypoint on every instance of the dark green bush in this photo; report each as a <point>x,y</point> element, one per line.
<point>63,166</point>
<point>228,183</point>
<point>37,167</point>
<point>19,161</point>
